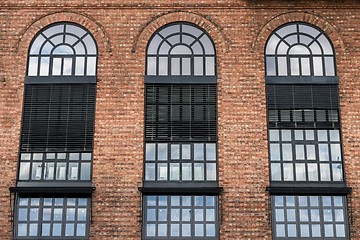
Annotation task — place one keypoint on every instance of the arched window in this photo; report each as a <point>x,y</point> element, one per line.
<point>57,135</point>
<point>180,50</point>
<point>63,50</point>
<point>299,49</point>
<point>180,160</point>
<point>305,147</point>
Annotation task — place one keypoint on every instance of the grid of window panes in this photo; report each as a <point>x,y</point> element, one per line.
<point>52,218</point>
<point>180,162</point>
<point>303,115</point>
<point>62,166</point>
<point>298,49</point>
<point>180,49</point>
<point>188,217</point>
<point>63,50</point>
<point>309,217</point>
<point>311,155</point>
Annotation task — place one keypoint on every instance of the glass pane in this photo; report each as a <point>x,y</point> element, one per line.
<point>210,66</point>
<point>150,151</point>
<point>337,172</point>
<point>186,230</point>
<point>211,151</point>
<point>174,171</point>
<point>198,66</point>
<point>175,214</point>
<point>198,151</point>
<point>305,67</point>
<point>150,171</point>
<point>310,152</point>
<point>335,152</point>
<point>291,230</point>
<point>287,152</point>
<point>73,171</point>
<point>61,171</point>
<point>199,171</point>
<point>186,151</point>
<point>162,172</point>
<point>294,66</point>
<point>318,66</point>
<point>300,172</point>
<point>325,172</point>
<point>313,172</point>
<point>186,172</point>
<point>150,230</point>
<point>279,215</point>
<point>282,66</point>
<point>80,66</point>
<point>270,66</point>
<point>280,230</point>
<point>286,135</point>
<point>85,171</point>
<point>274,152</point>
<point>274,135</point>
<point>275,172</point>
<point>175,230</point>
<point>151,66</point>
<point>91,66</point>
<point>69,231</point>
<point>323,152</point>
<point>288,172</point>
<point>162,151</point>
<point>211,171</point>
<point>175,151</point>
<point>199,230</point>
<point>210,230</point>
<point>163,66</point>
<point>24,171</point>
<point>300,154</point>
<point>186,66</point>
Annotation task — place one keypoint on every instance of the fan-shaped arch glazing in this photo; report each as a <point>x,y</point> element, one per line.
<point>298,49</point>
<point>180,50</point>
<point>63,49</point>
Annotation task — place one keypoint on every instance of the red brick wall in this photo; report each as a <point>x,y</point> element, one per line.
<point>122,29</point>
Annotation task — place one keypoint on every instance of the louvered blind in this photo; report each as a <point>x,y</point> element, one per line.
<point>180,112</point>
<point>302,96</point>
<point>58,117</point>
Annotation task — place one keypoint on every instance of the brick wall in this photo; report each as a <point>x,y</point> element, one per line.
<point>122,29</point>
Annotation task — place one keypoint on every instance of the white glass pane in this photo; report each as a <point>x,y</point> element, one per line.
<point>282,49</point>
<point>162,172</point>
<point>60,171</point>
<point>304,230</point>
<point>198,151</point>
<point>297,49</point>
<point>305,67</point>
<point>33,229</point>
<point>73,171</point>
<point>91,66</point>
<point>33,66</point>
<point>199,230</point>
<point>185,151</point>
<point>162,151</point>
<point>335,152</point>
<point>175,66</point>
<point>325,44</point>
<point>175,214</point>
<point>209,66</point>
<point>294,67</point>
<point>175,151</point>
<point>35,46</point>
<point>164,48</point>
<point>340,230</point>
<point>67,66</point>
<point>44,66</point>
<point>310,152</point>
<point>270,66</point>
<point>287,152</point>
<point>325,172</point>
<point>186,172</point>
<point>282,66</point>
<point>186,66</point>
<point>337,172</point>
<point>210,215</point>
<point>208,45</point>
<point>274,135</point>
<point>288,172</point>
<point>280,230</point>
<point>24,171</point>
<point>211,171</point>
<point>79,48</point>
<point>329,66</point>
<point>186,230</point>
<point>150,152</point>
<point>211,151</point>
<point>174,171</point>
<point>300,172</point>
<point>57,66</point>
<point>210,230</point>
<point>198,66</point>
<point>279,215</point>
<point>313,172</point>
<point>316,230</point>
<point>150,230</point>
<point>329,230</point>
<point>274,152</point>
<point>291,230</point>
<point>175,230</point>
<point>154,44</point>
<point>90,44</point>
<point>198,171</point>
<point>318,66</point>
<point>271,44</point>
<point>80,66</point>
<point>300,152</point>
<point>303,214</point>
<point>323,152</point>
<point>85,171</point>
<point>151,66</point>
<point>49,171</point>
<point>275,172</point>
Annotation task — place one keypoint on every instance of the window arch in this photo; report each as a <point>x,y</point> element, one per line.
<point>63,49</point>
<point>180,49</point>
<point>299,49</point>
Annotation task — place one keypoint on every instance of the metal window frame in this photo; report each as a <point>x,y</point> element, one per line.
<point>297,221</point>
<point>192,222</point>
<point>63,221</point>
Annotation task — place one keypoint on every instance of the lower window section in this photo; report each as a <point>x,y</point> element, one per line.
<point>185,217</point>
<point>52,218</point>
<point>309,217</point>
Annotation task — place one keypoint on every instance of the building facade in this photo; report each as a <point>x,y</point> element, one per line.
<point>187,120</point>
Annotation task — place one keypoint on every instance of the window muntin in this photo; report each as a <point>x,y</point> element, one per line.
<point>180,162</point>
<point>180,49</point>
<point>185,217</point>
<point>63,49</point>
<point>49,166</point>
<point>52,218</point>
<point>309,217</point>
<point>305,155</point>
<point>299,49</point>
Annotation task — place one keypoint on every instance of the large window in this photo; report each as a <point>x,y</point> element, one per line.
<point>180,153</point>
<point>305,147</point>
<point>57,135</point>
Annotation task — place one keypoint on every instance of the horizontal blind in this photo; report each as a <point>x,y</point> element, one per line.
<point>58,117</point>
<point>302,97</point>
<point>180,112</point>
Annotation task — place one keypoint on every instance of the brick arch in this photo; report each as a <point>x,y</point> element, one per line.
<point>95,28</point>
<point>213,29</point>
<point>329,29</point>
